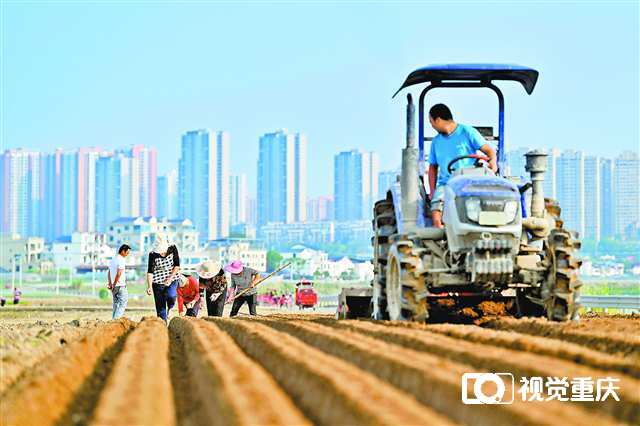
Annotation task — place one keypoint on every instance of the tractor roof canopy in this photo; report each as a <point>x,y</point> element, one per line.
<point>473,72</point>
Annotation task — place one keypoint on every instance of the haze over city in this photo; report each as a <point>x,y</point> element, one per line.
<point>120,74</point>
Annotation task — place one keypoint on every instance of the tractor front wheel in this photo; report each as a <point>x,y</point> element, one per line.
<point>406,291</point>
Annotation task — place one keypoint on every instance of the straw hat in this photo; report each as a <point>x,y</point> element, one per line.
<point>234,267</point>
<point>161,244</point>
<point>208,269</point>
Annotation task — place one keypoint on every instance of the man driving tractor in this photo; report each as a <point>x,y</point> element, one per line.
<point>452,141</point>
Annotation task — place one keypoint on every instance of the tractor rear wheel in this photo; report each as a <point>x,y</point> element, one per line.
<point>562,301</point>
<point>561,294</point>
<point>405,283</point>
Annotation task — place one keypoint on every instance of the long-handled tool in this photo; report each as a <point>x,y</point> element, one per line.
<point>260,281</point>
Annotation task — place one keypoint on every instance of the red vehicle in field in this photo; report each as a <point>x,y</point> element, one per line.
<point>306,296</point>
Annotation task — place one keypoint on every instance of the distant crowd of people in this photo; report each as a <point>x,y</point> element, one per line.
<point>213,284</point>
<point>284,300</point>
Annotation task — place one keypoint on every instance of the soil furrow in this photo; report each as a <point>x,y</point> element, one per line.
<point>626,344</point>
<point>222,386</point>
<point>32,344</point>
<point>330,390</point>
<point>138,390</point>
<point>519,363</point>
<point>528,343</point>
<point>64,387</point>
<point>433,379</point>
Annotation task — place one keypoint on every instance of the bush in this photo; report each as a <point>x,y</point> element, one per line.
<point>76,283</point>
<point>103,293</point>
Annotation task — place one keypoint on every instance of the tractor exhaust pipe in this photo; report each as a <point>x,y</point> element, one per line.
<point>536,165</point>
<point>409,178</point>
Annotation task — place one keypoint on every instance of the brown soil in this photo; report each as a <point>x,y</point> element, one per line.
<point>433,379</point>
<point>139,389</point>
<point>234,390</point>
<point>605,337</point>
<point>519,363</point>
<point>538,345</point>
<point>298,369</point>
<point>49,389</point>
<point>24,345</point>
<point>330,390</point>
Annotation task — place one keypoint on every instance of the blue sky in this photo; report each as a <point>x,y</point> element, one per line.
<point>116,73</point>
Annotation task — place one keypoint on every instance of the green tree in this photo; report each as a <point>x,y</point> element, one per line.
<point>103,293</point>
<point>273,259</point>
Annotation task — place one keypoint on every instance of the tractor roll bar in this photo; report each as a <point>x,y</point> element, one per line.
<point>438,85</point>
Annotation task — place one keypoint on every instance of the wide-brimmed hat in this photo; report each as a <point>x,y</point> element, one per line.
<point>161,244</point>
<point>208,269</point>
<point>234,267</point>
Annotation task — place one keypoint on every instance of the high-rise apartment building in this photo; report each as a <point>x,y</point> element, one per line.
<point>592,200</point>
<point>355,184</point>
<point>570,188</point>
<point>146,168</point>
<point>20,173</point>
<point>607,199</point>
<point>204,182</point>
<point>386,179</point>
<point>282,178</point>
<point>238,199</point>
<point>320,209</point>
<point>627,191</point>
<point>167,198</point>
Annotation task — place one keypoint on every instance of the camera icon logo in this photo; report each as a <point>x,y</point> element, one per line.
<point>499,383</point>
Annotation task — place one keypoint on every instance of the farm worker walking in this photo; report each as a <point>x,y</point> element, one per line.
<point>212,279</point>
<point>189,295</point>
<point>117,281</point>
<point>16,296</point>
<point>162,275</point>
<point>453,140</point>
<point>242,278</point>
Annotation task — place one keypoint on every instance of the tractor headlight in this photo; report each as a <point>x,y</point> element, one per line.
<point>511,209</point>
<point>472,205</point>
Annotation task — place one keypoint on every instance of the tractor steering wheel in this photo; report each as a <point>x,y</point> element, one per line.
<point>478,157</point>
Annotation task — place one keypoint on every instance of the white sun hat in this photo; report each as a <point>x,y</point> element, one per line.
<point>161,244</point>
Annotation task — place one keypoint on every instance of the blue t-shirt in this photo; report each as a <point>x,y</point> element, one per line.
<point>464,140</point>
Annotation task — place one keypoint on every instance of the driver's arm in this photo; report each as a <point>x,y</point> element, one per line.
<point>491,153</point>
<point>433,174</point>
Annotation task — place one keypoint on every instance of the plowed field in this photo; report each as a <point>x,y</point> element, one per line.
<point>311,369</point>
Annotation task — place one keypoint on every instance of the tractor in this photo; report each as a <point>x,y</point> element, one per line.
<point>502,242</point>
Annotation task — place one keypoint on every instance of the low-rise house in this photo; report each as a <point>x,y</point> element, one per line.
<point>81,250</point>
<point>17,251</point>
<point>250,252</point>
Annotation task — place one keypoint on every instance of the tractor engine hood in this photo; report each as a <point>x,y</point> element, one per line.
<point>483,186</point>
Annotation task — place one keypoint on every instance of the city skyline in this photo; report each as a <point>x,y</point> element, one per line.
<point>600,197</point>
<point>136,88</point>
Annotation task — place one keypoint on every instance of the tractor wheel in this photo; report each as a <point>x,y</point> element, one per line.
<point>384,225</point>
<point>405,289</point>
<point>561,294</point>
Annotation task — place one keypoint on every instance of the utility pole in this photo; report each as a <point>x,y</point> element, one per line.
<point>20,271</point>
<point>93,268</point>
<point>13,274</point>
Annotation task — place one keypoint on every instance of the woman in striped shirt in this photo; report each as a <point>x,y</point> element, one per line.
<point>162,275</point>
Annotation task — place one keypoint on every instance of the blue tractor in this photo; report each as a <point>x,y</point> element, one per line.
<point>503,241</point>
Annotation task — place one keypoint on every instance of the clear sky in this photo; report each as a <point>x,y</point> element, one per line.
<point>111,74</point>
